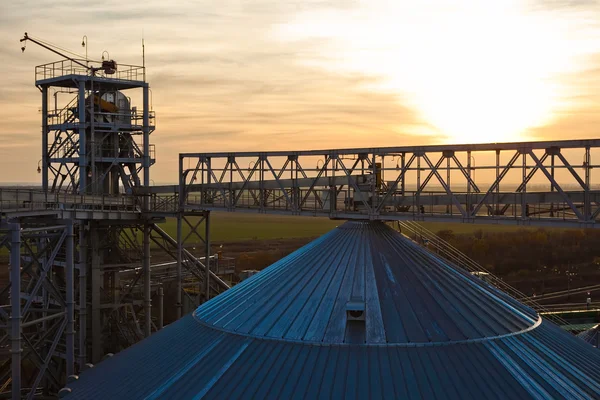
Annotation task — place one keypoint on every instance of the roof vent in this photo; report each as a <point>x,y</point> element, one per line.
<point>355,310</point>
<point>355,321</point>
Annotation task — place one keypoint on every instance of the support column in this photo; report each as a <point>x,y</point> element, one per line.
<point>179,257</point>
<point>96,282</point>
<point>146,244</point>
<point>449,206</point>
<point>207,256</point>
<point>15,313</point>
<point>147,294</point>
<point>403,181</point>
<point>374,187</point>
<point>82,295</point>
<point>418,193</point>
<point>552,184</point>
<point>180,205</point>
<point>146,133</point>
<point>82,139</point>
<point>70,332</point>
<point>161,310</point>
<point>469,210</point>
<point>93,180</point>
<point>524,213</point>
<point>587,207</point>
<point>497,197</point>
<point>45,139</point>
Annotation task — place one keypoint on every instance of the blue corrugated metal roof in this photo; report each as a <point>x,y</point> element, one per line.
<point>410,295</point>
<point>429,331</point>
<point>592,336</point>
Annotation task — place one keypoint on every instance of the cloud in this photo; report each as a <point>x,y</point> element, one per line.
<point>219,80</point>
<point>266,74</point>
<point>579,118</point>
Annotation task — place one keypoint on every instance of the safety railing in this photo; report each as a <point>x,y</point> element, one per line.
<point>164,203</point>
<point>19,200</point>
<point>66,67</point>
<point>65,114</point>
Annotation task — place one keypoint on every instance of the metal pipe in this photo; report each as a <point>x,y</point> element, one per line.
<point>47,318</point>
<point>15,314</point>
<point>70,332</point>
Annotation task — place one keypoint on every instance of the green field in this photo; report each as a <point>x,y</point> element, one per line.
<point>240,226</point>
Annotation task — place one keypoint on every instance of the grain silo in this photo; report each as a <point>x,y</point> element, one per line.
<point>362,312</point>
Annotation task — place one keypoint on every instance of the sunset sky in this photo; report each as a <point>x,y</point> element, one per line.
<point>273,74</point>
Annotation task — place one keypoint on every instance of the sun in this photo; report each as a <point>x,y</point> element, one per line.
<point>476,71</point>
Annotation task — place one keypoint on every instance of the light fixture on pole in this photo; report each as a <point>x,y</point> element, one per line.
<point>84,43</point>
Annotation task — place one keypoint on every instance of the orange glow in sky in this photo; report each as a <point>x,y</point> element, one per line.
<point>273,74</point>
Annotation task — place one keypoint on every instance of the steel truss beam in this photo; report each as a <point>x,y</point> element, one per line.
<point>529,183</point>
<point>39,321</point>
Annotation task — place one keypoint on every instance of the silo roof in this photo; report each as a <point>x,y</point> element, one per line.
<point>410,295</point>
<point>361,312</point>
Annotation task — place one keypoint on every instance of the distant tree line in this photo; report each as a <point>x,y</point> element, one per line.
<point>544,257</point>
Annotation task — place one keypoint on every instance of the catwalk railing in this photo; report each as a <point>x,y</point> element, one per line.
<point>66,67</point>
<point>14,200</point>
<point>529,183</point>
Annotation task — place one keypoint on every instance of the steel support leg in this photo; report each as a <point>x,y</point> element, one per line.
<point>70,333</point>
<point>147,294</point>
<point>179,257</point>
<point>45,139</point>
<point>15,313</point>
<point>161,297</point>
<point>82,140</point>
<point>524,213</point>
<point>96,282</point>
<point>82,295</point>
<point>146,263</point>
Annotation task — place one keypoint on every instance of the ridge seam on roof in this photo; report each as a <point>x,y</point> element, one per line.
<point>413,344</point>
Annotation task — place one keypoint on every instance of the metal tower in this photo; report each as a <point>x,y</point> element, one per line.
<point>81,284</point>
<point>96,141</point>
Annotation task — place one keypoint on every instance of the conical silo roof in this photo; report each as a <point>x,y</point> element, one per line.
<point>361,312</point>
